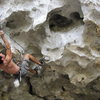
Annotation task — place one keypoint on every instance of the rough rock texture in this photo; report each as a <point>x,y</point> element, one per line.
<point>67,33</point>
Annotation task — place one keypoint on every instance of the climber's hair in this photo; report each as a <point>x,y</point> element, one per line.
<point>1,61</point>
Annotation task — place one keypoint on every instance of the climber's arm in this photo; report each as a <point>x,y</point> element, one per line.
<point>33,59</point>
<point>8,48</point>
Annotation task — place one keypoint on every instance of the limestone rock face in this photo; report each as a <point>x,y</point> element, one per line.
<point>65,32</point>
<point>91,10</point>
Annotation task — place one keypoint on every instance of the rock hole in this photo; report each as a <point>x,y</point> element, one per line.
<point>52,25</point>
<point>65,76</point>
<point>11,24</point>
<point>18,20</point>
<point>59,21</point>
<point>82,78</point>
<point>63,88</point>
<point>75,15</point>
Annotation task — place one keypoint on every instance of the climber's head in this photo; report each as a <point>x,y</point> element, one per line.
<point>1,61</point>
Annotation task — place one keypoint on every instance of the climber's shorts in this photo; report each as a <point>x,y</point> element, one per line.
<point>24,67</point>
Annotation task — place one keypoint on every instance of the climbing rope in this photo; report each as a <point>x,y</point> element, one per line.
<point>1,28</point>
<point>16,42</point>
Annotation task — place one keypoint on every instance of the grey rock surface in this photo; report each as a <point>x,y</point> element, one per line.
<point>67,33</point>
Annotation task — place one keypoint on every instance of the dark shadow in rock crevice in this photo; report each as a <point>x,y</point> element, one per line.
<point>30,90</point>
<point>18,20</point>
<point>76,15</point>
<point>59,21</point>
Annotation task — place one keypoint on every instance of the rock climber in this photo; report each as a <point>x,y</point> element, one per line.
<point>7,64</point>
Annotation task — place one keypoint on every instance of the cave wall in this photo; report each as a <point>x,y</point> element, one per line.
<point>66,32</point>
